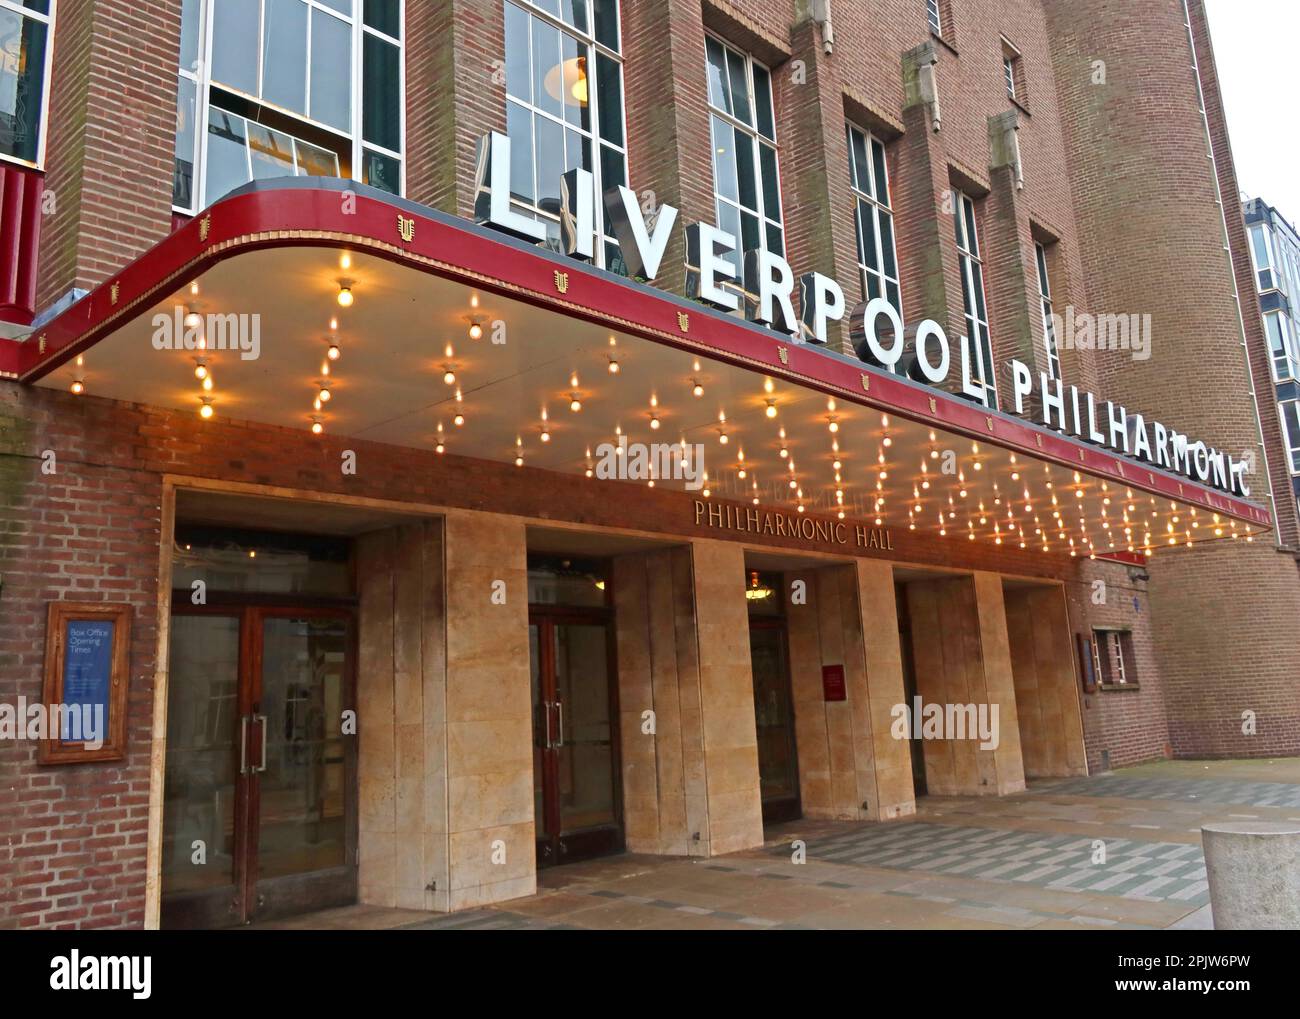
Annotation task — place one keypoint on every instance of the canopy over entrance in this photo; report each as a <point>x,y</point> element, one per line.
<point>456,338</point>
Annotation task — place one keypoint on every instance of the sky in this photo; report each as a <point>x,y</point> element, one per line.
<point>1257,50</point>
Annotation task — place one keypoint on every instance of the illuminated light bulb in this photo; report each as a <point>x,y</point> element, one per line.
<point>519,461</point>
<point>886,442</point>
<point>205,409</point>
<point>439,448</point>
<point>449,377</point>
<point>546,436</point>
<point>193,319</point>
<point>697,390</point>
<point>324,395</point>
<point>78,387</point>
<point>590,472</point>
<point>613,366</point>
<point>575,404</point>
<point>755,500</point>
<point>706,493</point>
<point>654,422</point>
<point>200,371</point>
<point>833,425</point>
<point>207,384</point>
<point>475,331</point>
<point>333,352</point>
<point>458,420</point>
<point>784,453</point>
<point>345,296</point>
<point>741,474</point>
<point>836,465</point>
<point>723,438</point>
<point>316,426</point>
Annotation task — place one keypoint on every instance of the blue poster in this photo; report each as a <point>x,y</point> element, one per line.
<point>87,678</point>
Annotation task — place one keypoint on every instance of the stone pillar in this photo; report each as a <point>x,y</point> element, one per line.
<point>489,767</point>
<point>664,797</point>
<point>729,758</point>
<point>1253,869</point>
<point>850,767</point>
<point>401,690</point>
<point>962,657</point>
<point>1047,691</point>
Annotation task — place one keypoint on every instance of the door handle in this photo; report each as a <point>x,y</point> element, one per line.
<point>243,745</point>
<point>559,717</point>
<point>262,720</point>
<point>546,713</point>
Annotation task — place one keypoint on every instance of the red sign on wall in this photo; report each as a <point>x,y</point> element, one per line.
<point>833,682</point>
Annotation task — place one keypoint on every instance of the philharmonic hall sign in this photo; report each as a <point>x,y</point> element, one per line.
<point>752,520</point>
<point>763,290</point>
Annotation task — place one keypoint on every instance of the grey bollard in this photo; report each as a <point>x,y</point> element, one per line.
<point>1253,868</point>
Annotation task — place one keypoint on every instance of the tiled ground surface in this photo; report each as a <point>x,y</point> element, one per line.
<point>1027,861</point>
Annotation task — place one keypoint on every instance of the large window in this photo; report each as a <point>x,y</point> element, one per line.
<point>972,290</point>
<point>1049,325</point>
<point>26,45</point>
<point>1291,432</point>
<point>273,88</point>
<point>564,106</point>
<point>934,16</point>
<point>877,257</point>
<point>746,185</point>
<point>1281,347</point>
<point>1261,250</point>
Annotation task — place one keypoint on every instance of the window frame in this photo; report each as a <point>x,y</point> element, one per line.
<point>47,78</point>
<point>934,17</point>
<point>203,83</point>
<point>1265,233</point>
<point>1288,356</point>
<point>595,48</point>
<point>1050,345</point>
<point>970,265</point>
<point>878,209</point>
<point>1118,644</point>
<point>1290,441</point>
<point>757,139</point>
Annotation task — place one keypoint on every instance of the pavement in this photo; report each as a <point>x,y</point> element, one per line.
<point>1115,851</point>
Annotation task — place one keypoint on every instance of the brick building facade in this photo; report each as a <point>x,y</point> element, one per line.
<point>1095,161</point>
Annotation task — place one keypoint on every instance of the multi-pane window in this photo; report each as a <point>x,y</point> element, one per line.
<point>745,181</point>
<point>564,105</point>
<point>877,257</point>
<point>1112,655</point>
<point>1261,250</point>
<point>273,88</point>
<point>972,290</point>
<point>934,17</point>
<point>1281,347</point>
<point>1009,75</point>
<point>26,46</point>
<point>1049,324</point>
<point>1290,410</point>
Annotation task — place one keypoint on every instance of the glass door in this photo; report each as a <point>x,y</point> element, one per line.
<point>575,751</point>
<point>260,790</point>
<point>778,766</point>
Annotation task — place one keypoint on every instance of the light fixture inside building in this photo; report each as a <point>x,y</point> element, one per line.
<point>475,330</point>
<point>345,294</point>
<point>201,370</point>
<point>613,366</point>
<point>449,377</point>
<point>458,420</point>
<point>575,404</point>
<point>567,81</point>
<point>697,389</point>
<point>78,387</point>
<point>316,426</point>
<point>192,319</point>
<point>324,395</point>
<point>771,409</point>
<point>333,352</point>
<point>205,408</point>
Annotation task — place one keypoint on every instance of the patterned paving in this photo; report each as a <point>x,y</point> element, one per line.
<point>487,920</point>
<point>1145,871</point>
<point>1188,790</point>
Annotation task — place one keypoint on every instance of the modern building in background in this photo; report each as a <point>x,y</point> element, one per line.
<point>1275,256</point>
<point>453,439</point>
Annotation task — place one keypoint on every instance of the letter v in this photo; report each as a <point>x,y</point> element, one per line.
<point>641,252</point>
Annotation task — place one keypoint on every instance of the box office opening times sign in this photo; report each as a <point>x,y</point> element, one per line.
<point>764,287</point>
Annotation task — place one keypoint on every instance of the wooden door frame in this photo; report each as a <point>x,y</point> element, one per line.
<point>546,617</point>
<point>786,808</point>
<point>251,610</point>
